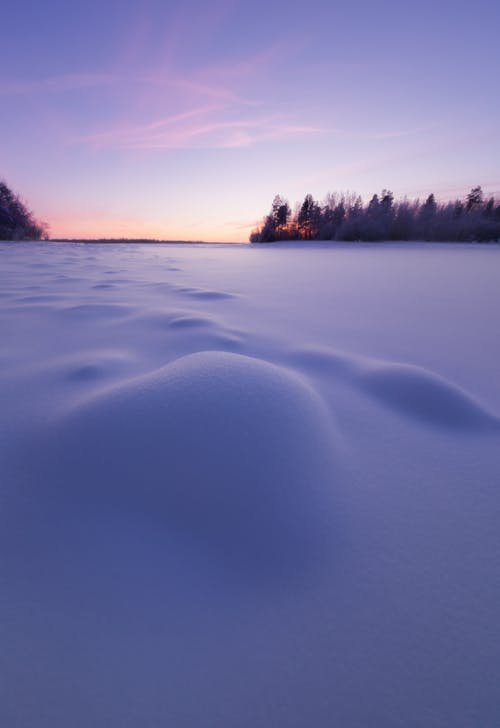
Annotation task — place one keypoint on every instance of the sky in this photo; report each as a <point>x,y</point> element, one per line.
<point>183,120</point>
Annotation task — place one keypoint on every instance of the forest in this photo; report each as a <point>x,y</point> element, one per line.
<point>344,216</point>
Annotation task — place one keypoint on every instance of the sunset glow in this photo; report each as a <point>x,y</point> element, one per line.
<point>183,122</point>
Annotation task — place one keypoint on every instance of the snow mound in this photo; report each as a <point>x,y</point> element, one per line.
<point>424,395</point>
<point>95,311</point>
<point>406,388</point>
<point>232,453</point>
<point>324,361</point>
<point>180,330</point>
<point>89,366</point>
<point>205,294</point>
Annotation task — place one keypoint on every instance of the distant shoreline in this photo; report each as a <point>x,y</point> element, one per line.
<point>284,244</point>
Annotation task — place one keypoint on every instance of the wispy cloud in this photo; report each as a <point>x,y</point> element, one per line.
<point>383,134</point>
<point>163,108</point>
<point>122,83</point>
<point>198,128</point>
<point>56,84</point>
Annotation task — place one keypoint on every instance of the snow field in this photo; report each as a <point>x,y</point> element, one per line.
<point>249,486</point>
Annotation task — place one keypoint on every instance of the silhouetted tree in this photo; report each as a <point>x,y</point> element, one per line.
<point>280,212</point>
<point>374,205</point>
<point>474,199</point>
<point>309,217</point>
<point>430,206</point>
<point>16,221</point>
<point>425,218</point>
<point>386,202</point>
<point>489,207</point>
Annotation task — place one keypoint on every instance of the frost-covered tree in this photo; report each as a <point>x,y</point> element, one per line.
<point>386,202</point>
<point>425,219</point>
<point>374,205</point>
<point>17,222</point>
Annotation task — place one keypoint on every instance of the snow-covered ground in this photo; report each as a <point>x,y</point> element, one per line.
<point>249,486</point>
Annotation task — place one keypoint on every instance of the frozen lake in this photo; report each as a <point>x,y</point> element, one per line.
<point>249,485</point>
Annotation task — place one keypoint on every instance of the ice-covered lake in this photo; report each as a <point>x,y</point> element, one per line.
<point>249,486</point>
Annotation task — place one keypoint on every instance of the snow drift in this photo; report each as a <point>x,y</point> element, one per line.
<point>248,486</point>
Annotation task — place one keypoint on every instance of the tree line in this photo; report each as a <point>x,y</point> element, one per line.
<point>343,216</point>
<point>17,222</point>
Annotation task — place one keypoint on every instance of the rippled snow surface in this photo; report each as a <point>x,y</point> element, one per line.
<point>249,486</point>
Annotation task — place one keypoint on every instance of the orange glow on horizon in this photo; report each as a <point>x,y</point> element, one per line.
<point>75,227</point>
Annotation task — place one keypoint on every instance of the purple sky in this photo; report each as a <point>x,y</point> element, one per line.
<point>183,120</point>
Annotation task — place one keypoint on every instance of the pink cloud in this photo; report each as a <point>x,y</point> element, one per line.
<point>166,108</point>
<point>204,127</point>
